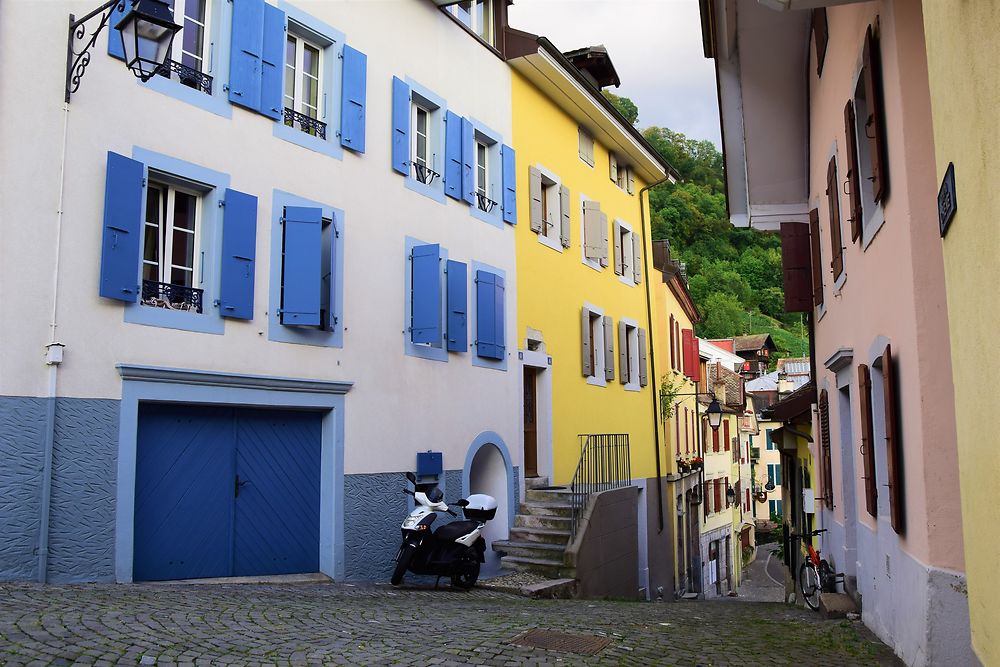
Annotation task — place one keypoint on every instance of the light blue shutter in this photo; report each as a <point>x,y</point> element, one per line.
<point>272,69</point>
<point>509,185</point>
<point>115,36</point>
<point>331,316</point>
<point>453,155</point>
<point>239,248</point>
<point>301,265</point>
<point>245,53</point>
<point>458,327</point>
<point>489,315</point>
<point>122,228</point>
<point>352,100</point>
<point>425,304</point>
<point>400,126</point>
<point>468,162</point>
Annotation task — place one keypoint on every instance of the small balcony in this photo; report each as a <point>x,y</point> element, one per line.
<point>423,173</point>
<point>307,124</point>
<point>484,203</point>
<point>187,76</point>
<point>171,297</point>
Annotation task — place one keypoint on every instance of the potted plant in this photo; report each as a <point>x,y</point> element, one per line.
<point>683,466</point>
<point>697,463</point>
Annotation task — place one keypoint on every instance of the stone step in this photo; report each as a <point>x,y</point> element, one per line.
<point>552,589</point>
<point>530,549</point>
<point>535,482</point>
<point>546,535</point>
<point>547,509</point>
<point>554,569</point>
<point>543,521</point>
<point>551,494</point>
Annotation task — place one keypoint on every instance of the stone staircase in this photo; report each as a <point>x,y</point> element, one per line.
<point>541,532</point>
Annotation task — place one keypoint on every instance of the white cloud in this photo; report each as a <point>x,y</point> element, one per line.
<point>655,46</point>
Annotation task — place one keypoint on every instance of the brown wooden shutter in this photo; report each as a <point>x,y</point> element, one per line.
<point>893,444</point>
<point>717,486</point>
<point>725,433</point>
<point>695,358</point>
<point>867,438</point>
<point>817,262</point>
<point>853,184</point>
<point>673,347</point>
<point>874,124</point>
<point>821,34</point>
<point>725,487</point>
<point>796,266</point>
<point>687,336</point>
<point>826,471</point>
<point>833,198</point>
<point>715,439</point>
<point>707,493</point>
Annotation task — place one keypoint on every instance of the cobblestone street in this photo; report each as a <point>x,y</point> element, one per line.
<point>342,624</point>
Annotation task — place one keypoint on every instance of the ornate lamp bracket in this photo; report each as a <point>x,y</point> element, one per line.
<point>78,59</point>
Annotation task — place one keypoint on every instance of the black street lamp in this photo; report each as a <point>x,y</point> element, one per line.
<point>714,413</point>
<point>147,33</point>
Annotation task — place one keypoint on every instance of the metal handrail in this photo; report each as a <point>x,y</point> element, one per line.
<point>604,464</point>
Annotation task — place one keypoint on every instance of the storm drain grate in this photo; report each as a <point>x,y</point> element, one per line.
<point>560,641</point>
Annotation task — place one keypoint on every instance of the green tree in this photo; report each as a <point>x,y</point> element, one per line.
<point>722,316</point>
<point>625,106</point>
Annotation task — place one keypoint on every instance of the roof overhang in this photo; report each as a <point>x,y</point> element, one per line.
<point>548,70</point>
<point>761,61</point>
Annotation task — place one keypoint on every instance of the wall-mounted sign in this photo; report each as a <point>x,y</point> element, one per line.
<point>947,203</point>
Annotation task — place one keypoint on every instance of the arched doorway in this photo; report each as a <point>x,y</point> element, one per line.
<point>488,470</point>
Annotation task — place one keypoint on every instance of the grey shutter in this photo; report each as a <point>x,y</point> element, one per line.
<point>604,239</point>
<point>536,214</point>
<point>631,180</point>
<point>643,379</point>
<point>613,167</point>
<point>564,209</point>
<point>637,258</point>
<point>623,353</point>
<point>619,259</point>
<point>609,348</point>
<point>588,367</point>
<point>592,229</point>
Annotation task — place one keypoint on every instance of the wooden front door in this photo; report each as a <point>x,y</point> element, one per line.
<point>530,424</point>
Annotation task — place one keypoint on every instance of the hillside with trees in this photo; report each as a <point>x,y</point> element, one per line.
<point>734,275</point>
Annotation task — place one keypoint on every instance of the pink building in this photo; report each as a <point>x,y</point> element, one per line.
<point>828,139</point>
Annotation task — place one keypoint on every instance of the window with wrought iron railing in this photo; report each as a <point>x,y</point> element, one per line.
<point>170,250</point>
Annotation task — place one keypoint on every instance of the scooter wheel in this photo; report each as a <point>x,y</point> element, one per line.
<point>402,563</point>
<point>468,578</point>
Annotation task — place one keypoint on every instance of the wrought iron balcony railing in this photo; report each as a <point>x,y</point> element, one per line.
<point>172,297</point>
<point>307,124</point>
<point>424,174</point>
<point>485,203</point>
<point>188,76</point>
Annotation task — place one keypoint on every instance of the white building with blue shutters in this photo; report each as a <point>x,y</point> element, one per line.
<point>240,298</point>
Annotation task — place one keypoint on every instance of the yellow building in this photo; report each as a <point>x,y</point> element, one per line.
<point>584,327</point>
<point>965,92</point>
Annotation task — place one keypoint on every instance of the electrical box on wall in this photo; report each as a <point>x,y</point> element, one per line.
<point>429,467</point>
<point>808,501</point>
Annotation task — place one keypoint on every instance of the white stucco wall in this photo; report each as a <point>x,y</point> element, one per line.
<point>399,404</point>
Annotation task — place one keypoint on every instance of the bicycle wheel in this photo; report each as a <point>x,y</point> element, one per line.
<point>827,577</point>
<point>809,584</point>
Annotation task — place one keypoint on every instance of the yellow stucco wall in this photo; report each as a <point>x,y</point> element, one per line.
<point>665,305</point>
<point>554,285</point>
<point>962,52</point>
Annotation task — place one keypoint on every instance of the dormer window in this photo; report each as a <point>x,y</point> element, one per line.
<point>477,15</point>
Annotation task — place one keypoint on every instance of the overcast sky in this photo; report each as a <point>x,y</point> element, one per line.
<point>655,46</point>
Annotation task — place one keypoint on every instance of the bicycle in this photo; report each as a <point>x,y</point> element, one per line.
<point>815,574</point>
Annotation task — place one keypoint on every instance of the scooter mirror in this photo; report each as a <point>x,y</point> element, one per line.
<point>410,476</point>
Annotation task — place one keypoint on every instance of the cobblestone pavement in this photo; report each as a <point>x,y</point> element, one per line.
<point>375,625</point>
<point>757,585</point>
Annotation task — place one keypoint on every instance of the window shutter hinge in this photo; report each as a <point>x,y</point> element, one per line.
<point>143,181</point>
<point>340,55</point>
<point>222,202</point>
<point>281,220</point>
<point>216,303</point>
<point>225,86</point>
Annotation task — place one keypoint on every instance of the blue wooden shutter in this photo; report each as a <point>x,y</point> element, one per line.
<point>458,327</point>
<point>453,155</point>
<point>331,316</point>
<point>509,185</point>
<point>272,70</point>
<point>400,126</point>
<point>301,265</point>
<point>425,287</point>
<point>239,247</point>
<point>122,228</point>
<point>352,100</point>
<point>489,315</point>
<point>468,162</point>
<point>245,53</point>
<point>115,36</point>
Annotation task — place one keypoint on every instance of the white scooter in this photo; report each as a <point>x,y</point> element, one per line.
<point>455,549</point>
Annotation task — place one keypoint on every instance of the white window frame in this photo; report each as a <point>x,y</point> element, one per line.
<point>482,168</point>
<point>597,342</point>
<point>632,353</point>
<point>482,138</point>
<point>551,235</point>
<point>165,234</point>
<point>872,214</point>
<point>586,146</point>
<point>628,253</point>
<point>416,108</point>
<point>180,16</point>
<point>482,26</point>
<point>298,75</point>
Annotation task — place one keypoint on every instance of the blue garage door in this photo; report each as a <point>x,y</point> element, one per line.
<point>223,492</point>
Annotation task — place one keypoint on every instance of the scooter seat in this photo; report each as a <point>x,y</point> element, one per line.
<point>450,532</point>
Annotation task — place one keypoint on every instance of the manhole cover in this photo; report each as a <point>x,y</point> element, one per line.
<point>561,641</point>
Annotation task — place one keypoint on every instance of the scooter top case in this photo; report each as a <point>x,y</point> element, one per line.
<point>480,507</point>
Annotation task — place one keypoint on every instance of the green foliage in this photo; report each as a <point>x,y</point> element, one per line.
<point>734,275</point>
<point>625,106</point>
<point>668,394</point>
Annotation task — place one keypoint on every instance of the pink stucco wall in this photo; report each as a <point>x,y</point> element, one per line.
<point>894,288</point>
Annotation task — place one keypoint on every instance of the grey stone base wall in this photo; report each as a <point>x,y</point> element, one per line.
<point>726,561</point>
<point>82,505</point>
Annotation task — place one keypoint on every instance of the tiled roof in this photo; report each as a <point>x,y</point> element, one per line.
<point>733,382</point>
<point>752,342</point>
